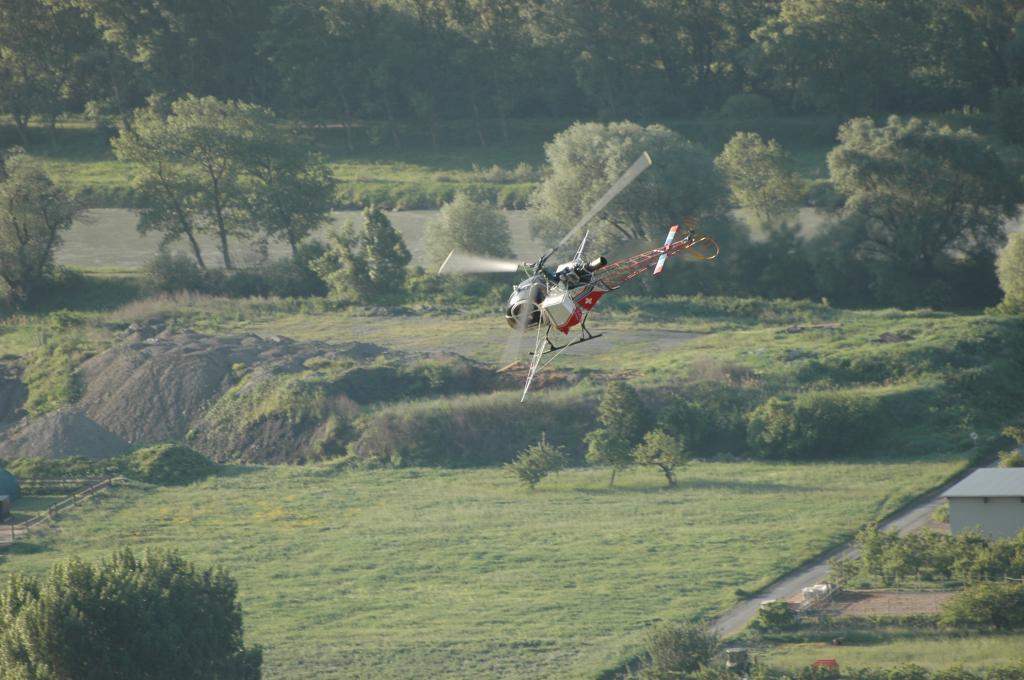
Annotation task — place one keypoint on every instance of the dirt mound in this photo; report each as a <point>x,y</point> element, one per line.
<point>13,393</point>
<point>65,432</point>
<point>154,390</point>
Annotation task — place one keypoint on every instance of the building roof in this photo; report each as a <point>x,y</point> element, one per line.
<point>990,483</point>
<point>9,485</point>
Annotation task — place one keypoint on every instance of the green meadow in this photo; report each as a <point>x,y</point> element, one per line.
<point>420,573</point>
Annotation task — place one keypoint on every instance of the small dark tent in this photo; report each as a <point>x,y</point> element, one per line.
<point>9,485</point>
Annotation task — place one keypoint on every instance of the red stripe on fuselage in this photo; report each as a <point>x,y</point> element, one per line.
<point>583,305</point>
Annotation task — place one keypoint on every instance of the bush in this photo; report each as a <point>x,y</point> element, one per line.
<point>677,649</point>
<point>711,417</point>
<point>1011,459</point>
<point>775,616</point>
<point>537,462</point>
<point>284,277</point>
<point>814,425</point>
<point>986,605</point>
<point>157,616</point>
<point>169,465</point>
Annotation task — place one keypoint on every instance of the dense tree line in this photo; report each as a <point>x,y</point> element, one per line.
<point>429,61</point>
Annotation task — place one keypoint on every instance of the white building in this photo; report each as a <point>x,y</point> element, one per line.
<point>991,499</point>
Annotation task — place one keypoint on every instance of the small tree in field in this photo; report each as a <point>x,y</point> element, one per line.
<point>153,617</point>
<point>663,451</point>
<point>537,462</point>
<point>621,415</point>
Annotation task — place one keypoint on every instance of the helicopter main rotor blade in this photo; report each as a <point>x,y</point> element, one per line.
<point>634,171</point>
<point>466,263</point>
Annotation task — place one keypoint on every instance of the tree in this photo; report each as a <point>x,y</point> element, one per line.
<point>676,650</point>
<point>213,137</point>
<point>386,253</point>
<point>166,190</point>
<point>663,451</point>
<point>585,160</point>
<point>42,49</point>
<point>918,198</point>
<point>1010,266</point>
<point>986,605</point>
<point>622,418</point>
<point>759,176</point>
<point>289,188</point>
<point>343,268</point>
<point>33,213</point>
<point>469,225</point>
<point>537,462</point>
<point>156,617</point>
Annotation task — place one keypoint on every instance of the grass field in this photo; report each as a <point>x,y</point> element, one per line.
<point>422,573</point>
<point>932,651</point>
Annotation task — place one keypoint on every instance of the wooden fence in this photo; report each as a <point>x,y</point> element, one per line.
<point>9,533</point>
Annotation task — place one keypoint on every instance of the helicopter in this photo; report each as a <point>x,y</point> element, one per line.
<point>553,301</point>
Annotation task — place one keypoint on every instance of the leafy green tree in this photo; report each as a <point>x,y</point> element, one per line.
<point>386,253</point>
<point>759,176</point>
<point>918,197</point>
<point>33,213</point>
<point>343,268</point>
<point>676,650</point>
<point>856,57</point>
<point>213,138</point>
<point>165,188</point>
<point>154,618</point>
<point>585,160</point>
<point>986,605</point>
<point>469,225</point>
<point>289,188</point>
<point>43,47</point>
<point>537,462</point>
<point>663,451</point>
<point>621,415</point>
<point>1010,267</point>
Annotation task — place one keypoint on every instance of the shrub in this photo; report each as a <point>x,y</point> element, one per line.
<point>173,272</point>
<point>775,616</point>
<point>677,649</point>
<point>711,417</point>
<point>815,424</point>
<point>157,616</point>
<point>537,462</point>
<point>1011,459</point>
<point>1010,267</point>
<point>169,465</point>
<point>284,277</point>
<point>986,605</point>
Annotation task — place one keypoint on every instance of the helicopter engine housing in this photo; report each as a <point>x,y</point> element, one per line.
<point>523,308</point>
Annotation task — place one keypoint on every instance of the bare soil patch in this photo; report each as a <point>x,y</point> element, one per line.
<point>879,603</point>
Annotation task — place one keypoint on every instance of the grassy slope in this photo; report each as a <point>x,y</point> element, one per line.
<point>424,573</point>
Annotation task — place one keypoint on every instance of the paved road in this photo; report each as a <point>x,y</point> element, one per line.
<point>914,517</point>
